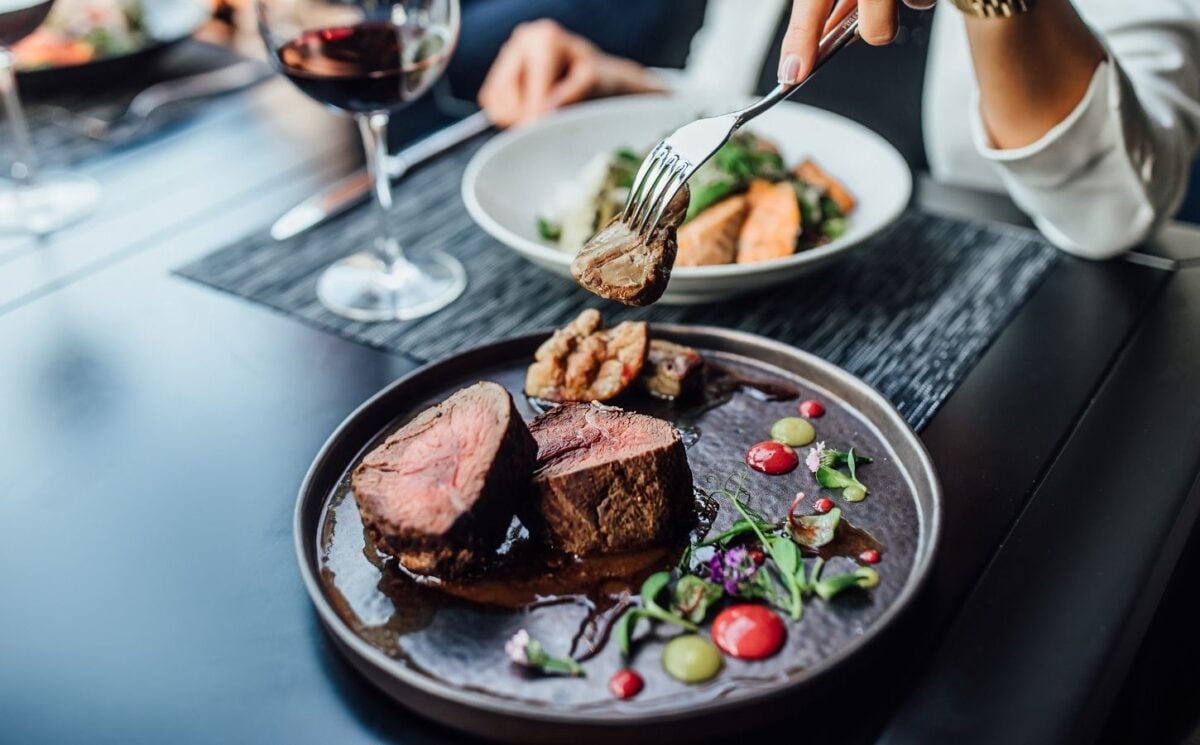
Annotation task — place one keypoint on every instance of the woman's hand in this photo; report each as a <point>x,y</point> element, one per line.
<point>878,22</point>
<point>543,66</point>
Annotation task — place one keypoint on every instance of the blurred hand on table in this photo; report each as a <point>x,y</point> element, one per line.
<point>543,67</point>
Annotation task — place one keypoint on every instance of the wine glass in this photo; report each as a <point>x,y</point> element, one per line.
<point>37,203</point>
<point>368,59</point>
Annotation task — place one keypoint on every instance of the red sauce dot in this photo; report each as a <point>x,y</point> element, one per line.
<point>823,505</point>
<point>748,632</point>
<point>772,458</point>
<point>812,409</point>
<point>870,556</point>
<point>625,683</point>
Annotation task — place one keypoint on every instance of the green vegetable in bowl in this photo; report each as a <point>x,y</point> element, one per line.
<point>834,228</point>
<point>738,162</point>
<point>624,167</point>
<point>706,195</point>
<point>549,230</point>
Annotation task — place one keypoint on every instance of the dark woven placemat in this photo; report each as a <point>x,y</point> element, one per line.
<point>910,314</point>
<point>58,144</point>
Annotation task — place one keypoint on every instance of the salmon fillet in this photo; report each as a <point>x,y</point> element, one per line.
<point>810,172</point>
<point>712,236</point>
<point>772,222</point>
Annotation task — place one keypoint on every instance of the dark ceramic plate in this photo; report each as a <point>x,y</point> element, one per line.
<point>443,656</point>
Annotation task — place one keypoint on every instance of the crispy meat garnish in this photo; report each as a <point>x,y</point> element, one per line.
<point>585,362</point>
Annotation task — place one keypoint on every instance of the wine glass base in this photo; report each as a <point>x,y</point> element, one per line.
<point>53,202</point>
<point>359,287</point>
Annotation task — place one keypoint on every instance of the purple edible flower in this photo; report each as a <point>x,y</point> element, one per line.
<point>730,567</point>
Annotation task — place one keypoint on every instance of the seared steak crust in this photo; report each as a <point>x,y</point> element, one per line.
<point>440,492</point>
<point>608,480</point>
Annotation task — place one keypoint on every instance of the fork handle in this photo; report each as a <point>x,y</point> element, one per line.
<point>838,37</point>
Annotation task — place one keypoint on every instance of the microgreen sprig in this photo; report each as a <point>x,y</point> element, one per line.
<point>528,652</point>
<point>864,577</point>
<point>787,561</point>
<point>824,463</point>
<point>693,596</point>
<point>649,609</point>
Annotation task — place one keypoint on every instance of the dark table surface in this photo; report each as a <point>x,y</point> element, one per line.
<point>153,433</point>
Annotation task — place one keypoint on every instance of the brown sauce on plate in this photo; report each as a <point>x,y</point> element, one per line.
<point>454,630</point>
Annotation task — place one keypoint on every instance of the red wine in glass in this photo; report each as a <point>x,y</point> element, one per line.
<point>20,19</point>
<point>369,59</point>
<point>371,66</point>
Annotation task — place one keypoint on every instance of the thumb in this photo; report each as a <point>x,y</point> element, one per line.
<point>799,48</point>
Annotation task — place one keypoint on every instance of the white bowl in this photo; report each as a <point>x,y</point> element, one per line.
<point>513,179</point>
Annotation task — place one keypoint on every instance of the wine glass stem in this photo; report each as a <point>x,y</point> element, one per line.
<point>374,133</point>
<point>24,165</point>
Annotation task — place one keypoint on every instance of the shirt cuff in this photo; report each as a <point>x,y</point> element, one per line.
<point>1071,145</point>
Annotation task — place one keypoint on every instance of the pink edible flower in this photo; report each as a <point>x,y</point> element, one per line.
<point>813,461</point>
<point>517,648</point>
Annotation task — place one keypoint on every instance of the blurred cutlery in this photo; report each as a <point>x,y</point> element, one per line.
<point>130,120</point>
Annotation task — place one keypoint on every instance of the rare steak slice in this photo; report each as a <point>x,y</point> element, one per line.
<point>607,480</point>
<point>586,362</point>
<point>620,265</point>
<point>440,492</point>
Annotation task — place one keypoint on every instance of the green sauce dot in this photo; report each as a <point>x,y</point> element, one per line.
<point>691,659</point>
<point>793,431</point>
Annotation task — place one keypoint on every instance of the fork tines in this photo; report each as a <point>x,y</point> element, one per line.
<point>660,178</point>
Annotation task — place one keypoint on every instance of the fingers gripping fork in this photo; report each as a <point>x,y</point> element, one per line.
<point>674,160</point>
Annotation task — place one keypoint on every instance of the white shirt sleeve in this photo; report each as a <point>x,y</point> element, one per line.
<point>727,53</point>
<point>1107,176</point>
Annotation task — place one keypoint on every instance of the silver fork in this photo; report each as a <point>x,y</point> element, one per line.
<point>673,161</point>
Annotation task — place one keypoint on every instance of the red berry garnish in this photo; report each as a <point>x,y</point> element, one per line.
<point>811,409</point>
<point>823,505</point>
<point>625,683</point>
<point>772,458</point>
<point>757,556</point>
<point>870,556</point>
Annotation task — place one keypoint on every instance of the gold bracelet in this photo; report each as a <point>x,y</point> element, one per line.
<point>993,8</point>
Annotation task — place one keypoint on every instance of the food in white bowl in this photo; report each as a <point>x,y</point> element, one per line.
<point>80,32</point>
<point>533,171</point>
<point>747,205</point>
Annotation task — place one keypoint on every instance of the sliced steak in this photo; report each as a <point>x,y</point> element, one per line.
<point>440,492</point>
<point>672,370</point>
<point>618,265</point>
<point>586,362</point>
<point>608,480</point>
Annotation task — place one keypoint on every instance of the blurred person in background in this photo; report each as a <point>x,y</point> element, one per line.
<point>642,33</point>
<point>646,33</point>
<point>1086,113</point>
